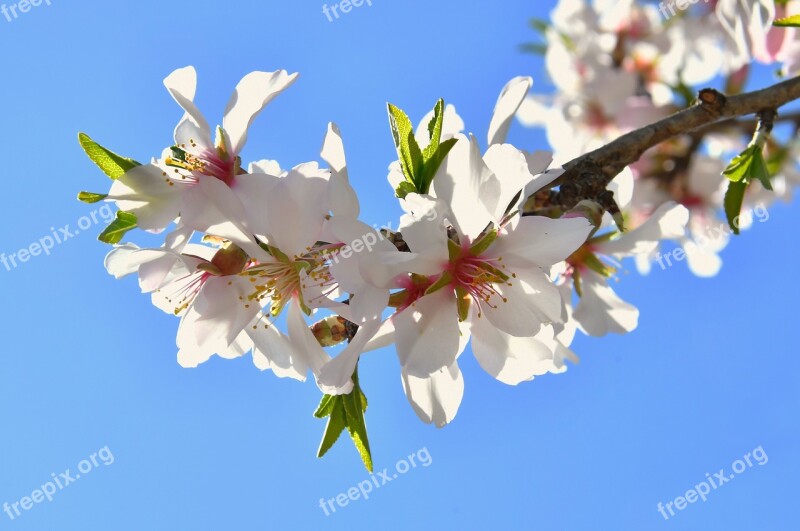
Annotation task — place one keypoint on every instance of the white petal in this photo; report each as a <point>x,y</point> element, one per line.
<point>435,398</point>
<point>428,334</point>
<point>252,94</point>
<point>145,192</point>
<point>601,311</point>
<point>343,198</point>
<point>304,342</point>
<point>466,184</point>
<point>272,350</point>
<point>510,167</point>
<point>666,223</point>
<point>182,84</point>
<point>336,376</point>
<point>296,209</point>
<point>510,359</point>
<point>510,99</point>
<point>540,241</point>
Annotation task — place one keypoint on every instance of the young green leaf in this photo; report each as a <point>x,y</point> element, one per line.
<point>741,166</point>
<point>337,422</point>
<point>734,198</point>
<point>404,188</point>
<point>91,197</point>
<point>434,131</point>
<point>125,222</point>
<point>346,412</point>
<point>759,170</point>
<point>406,144</point>
<point>112,164</point>
<point>432,165</point>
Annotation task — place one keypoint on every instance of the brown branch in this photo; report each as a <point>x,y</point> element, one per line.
<point>587,176</point>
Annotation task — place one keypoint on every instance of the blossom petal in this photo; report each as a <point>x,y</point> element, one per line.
<point>182,85</point>
<point>511,359</point>
<point>428,334</point>
<point>252,94</point>
<point>601,311</point>
<point>343,199</point>
<point>511,97</point>
<point>540,241</point>
<point>436,397</point>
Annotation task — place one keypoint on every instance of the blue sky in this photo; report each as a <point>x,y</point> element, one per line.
<point>87,363</point>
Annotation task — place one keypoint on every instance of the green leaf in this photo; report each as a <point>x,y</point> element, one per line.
<point>406,144</point>
<point>112,164</point>
<point>734,198</point>
<point>759,170</point>
<point>538,24</point>
<point>325,407</point>
<point>434,131</point>
<point>91,197</point>
<point>346,412</point>
<point>432,165</point>
<point>788,22</point>
<point>741,166</point>
<point>337,422</point>
<point>534,48</point>
<point>119,227</point>
<point>404,189</point>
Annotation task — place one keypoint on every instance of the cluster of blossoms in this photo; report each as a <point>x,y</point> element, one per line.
<point>618,65</point>
<point>252,251</point>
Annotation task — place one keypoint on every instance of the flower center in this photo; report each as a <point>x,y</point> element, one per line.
<point>476,278</point>
<point>278,282</point>
<point>190,161</point>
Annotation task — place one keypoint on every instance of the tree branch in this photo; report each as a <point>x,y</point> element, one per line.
<point>587,176</point>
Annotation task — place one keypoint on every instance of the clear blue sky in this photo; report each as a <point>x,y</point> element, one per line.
<point>87,362</point>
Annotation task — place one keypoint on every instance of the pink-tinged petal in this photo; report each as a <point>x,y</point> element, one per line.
<point>511,359</point>
<point>428,334</point>
<point>466,184</point>
<point>436,397</point>
<point>666,223</point>
<point>343,199</point>
<point>182,84</point>
<point>508,103</point>
<point>600,311</point>
<point>252,94</point>
<point>539,241</point>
